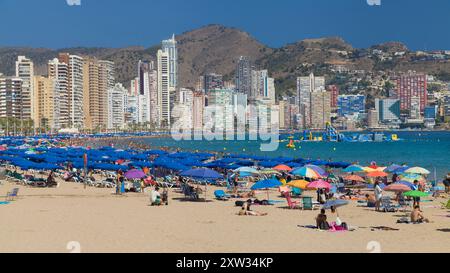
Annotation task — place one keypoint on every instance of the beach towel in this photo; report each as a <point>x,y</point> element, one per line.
<point>4,203</point>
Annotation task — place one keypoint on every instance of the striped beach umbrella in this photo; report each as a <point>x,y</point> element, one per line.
<point>417,170</point>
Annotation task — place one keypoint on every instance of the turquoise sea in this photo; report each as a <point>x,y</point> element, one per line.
<point>430,150</point>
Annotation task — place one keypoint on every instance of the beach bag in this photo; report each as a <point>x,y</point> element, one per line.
<point>338,221</point>
<point>239,203</point>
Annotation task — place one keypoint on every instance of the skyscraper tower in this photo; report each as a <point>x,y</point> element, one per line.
<point>25,71</point>
<point>244,76</point>
<point>167,80</point>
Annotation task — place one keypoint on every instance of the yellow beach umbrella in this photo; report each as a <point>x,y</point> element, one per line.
<point>300,184</point>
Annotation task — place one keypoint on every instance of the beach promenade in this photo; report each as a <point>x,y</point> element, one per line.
<point>48,219</point>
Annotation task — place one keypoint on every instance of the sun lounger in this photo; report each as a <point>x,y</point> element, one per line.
<point>12,194</point>
<point>387,206</point>
<point>292,204</point>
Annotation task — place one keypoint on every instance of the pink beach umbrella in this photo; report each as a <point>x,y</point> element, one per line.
<point>319,184</point>
<point>397,188</point>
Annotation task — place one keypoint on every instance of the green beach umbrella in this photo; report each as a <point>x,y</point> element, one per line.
<point>415,194</point>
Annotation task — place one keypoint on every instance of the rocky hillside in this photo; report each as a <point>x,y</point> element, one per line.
<point>216,48</point>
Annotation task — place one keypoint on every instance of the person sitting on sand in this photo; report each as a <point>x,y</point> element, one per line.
<point>417,216</point>
<point>371,200</point>
<point>321,221</point>
<point>155,197</point>
<point>246,211</point>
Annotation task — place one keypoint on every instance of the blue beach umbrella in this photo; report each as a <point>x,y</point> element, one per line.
<point>202,173</point>
<point>353,169</point>
<point>266,184</point>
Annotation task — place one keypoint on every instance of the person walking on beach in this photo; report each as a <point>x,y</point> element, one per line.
<point>119,181</point>
<point>416,187</point>
<point>378,195</point>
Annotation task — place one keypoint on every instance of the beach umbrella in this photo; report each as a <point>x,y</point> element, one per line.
<point>377,174</point>
<point>401,170</point>
<point>335,203</point>
<point>135,174</point>
<point>319,184</point>
<point>246,170</point>
<point>266,184</point>
<point>202,173</point>
<point>318,169</point>
<point>397,188</point>
<point>415,194</point>
<point>371,170</point>
<point>392,168</point>
<point>300,184</point>
<point>353,169</point>
<point>269,171</point>
<point>282,168</point>
<point>354,178</point>
<point>417,170</point>
<point>306,172</point>
<point>409,184</point>
<point>411,177</point>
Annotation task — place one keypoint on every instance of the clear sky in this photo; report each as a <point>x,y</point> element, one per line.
<point>420,24</point>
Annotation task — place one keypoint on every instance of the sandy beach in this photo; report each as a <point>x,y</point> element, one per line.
<point>46,220</point>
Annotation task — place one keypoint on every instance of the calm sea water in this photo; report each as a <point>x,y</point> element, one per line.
<point>430,150</point>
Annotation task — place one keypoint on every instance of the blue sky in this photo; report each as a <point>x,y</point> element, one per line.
<point>117,23</point>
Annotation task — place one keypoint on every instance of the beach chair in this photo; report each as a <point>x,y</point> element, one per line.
<point>386,204</point>
<point>221,195</point>
<point>12,194</point>
<point>284,189</point>
<point>296,192</point>
<point>292,204</point>
<point>308,203</point>
<point>403,203</point>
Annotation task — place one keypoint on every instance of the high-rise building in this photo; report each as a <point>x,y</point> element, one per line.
<point>320,109</point>
<point>447,109</point>
<point>117,97</point>
<point>372,118</point>
<point>75,88</point>
<point>414,110</point>
<point>221,100</point>
<point>262,85</point>
<point>46,103</point>
<point>305,87</point>
<point>198,105</point>
<point>59,72</point>
<point>388,110</point>
<point>10,97</point>
<point>25,71</point>
<point>167,80</point>
<point>170,47</point>
<point>143,68</point>
<point>350,105</point>
<point>98,78</point>
<point>244,76</point>
<point>409,86</point>
<point>164,89</point>
<point>212,81</point>
<point>334,90</point>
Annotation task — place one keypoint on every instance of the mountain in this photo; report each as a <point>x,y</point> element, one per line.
<point>216,48</point>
